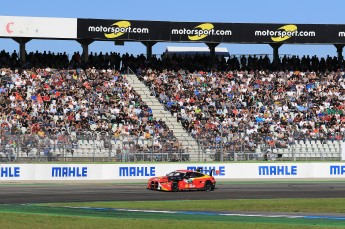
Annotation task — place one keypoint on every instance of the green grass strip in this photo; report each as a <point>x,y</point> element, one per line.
<point>29,221</point>
<point>50,217</point>
<point>326,205</point>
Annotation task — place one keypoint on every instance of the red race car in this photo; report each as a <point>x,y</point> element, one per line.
<point>183,180</point>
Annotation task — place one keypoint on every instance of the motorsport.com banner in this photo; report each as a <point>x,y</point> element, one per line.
<point>134,30</point>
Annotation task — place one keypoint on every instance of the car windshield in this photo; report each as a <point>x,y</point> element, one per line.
<point>174,174</point>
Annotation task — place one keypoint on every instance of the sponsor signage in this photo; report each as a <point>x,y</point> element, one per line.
<point>138,30</point>
<point>67,171</point>
<point>273,170</point>
<point>137,171</point>
<point>38,27</point>
<point>153,30</point>
<point>9,171</point>
<point>218,170</point>
<point>337,170</point>
<point>210,32</point>
<point>54,172</point>
<point>115,29</point>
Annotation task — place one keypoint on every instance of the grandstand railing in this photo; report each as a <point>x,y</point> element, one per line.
<point>22,148</point>
<point>86,147</point>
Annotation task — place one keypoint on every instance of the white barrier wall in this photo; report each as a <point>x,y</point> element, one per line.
<point>51,172</point>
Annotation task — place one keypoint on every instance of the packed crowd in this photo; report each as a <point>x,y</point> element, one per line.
<point>239,110</point>
<point>53,60</point>
<point>113,60</point>
<point>234,104</point>
<point>46,108</point>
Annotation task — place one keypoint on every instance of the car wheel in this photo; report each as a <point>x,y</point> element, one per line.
<point>174,187</point>
<point>208,186</point>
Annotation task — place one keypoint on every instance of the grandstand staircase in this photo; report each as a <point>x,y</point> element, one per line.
<point>159,112</point>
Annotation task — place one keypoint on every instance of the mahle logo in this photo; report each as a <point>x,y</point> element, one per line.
<point>287,31</point>
<point>120,28</point>
<point>203,31</point>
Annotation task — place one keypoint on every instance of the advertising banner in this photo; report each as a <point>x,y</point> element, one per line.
<point>80,172</point>
<point>153,30</point>
<point>210,32</point>
<point>38,27</point>
<point>138,30</point>
<point>117,30</point>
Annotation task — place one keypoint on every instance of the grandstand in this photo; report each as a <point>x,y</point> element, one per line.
<point>196,107</point>
<point>187,115</point>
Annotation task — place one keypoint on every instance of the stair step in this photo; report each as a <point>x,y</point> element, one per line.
<point>159,112</point>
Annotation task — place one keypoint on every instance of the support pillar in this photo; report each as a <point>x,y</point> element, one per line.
<point>149,45</point>
<point>276,47</point>
<point>85,45</point>
<point>22,52</point>
<point>339,48</point>
<point>212,47</point>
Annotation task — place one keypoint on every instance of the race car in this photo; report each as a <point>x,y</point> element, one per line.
<point>180,180</point>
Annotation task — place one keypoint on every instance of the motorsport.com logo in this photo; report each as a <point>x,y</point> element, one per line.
<point>201,31</point>
<point>117,29</point>
<point>285,32</point>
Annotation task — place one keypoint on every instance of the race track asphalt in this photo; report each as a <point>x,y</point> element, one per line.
<point>67,192</point>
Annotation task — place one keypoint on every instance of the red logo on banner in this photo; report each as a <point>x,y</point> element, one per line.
<point>8,27</point>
